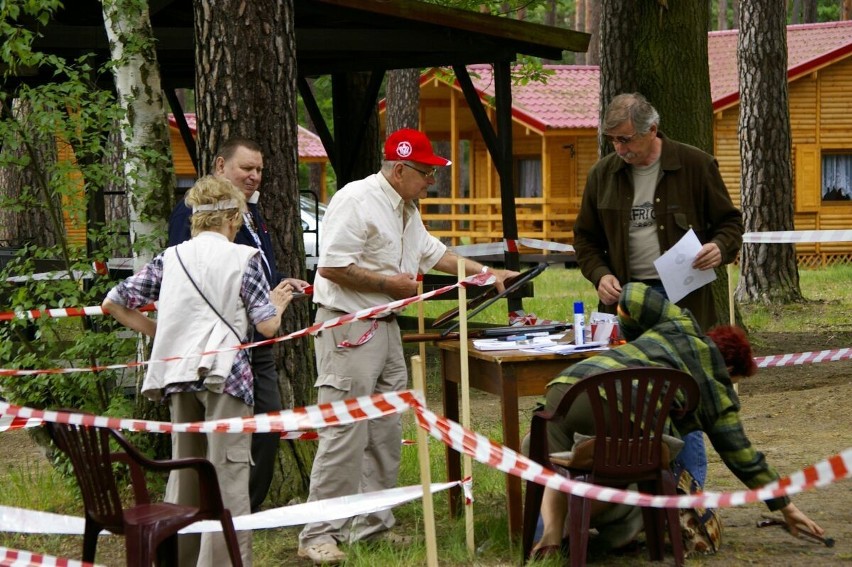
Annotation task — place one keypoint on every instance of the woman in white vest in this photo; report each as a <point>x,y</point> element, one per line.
<point>209,291</point>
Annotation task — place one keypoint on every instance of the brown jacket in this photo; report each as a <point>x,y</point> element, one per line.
<point>690,194</point>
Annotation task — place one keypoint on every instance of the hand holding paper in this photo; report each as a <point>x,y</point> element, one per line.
<point>675,268</point>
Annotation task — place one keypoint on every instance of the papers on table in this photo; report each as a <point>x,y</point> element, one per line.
<point>676,271</point>
<point>538,345</point>
<point>518,342</point>
<point>567,348</point>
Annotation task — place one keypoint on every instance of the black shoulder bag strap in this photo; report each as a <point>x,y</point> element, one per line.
<point>195,285</point>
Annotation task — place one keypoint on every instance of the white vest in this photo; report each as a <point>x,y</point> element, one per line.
<point>186,325</point>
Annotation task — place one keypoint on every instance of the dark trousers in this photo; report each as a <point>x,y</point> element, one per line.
<point>264,446</point>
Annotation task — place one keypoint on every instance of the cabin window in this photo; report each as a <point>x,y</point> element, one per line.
<point>837,177</point>
<point>529,177</point>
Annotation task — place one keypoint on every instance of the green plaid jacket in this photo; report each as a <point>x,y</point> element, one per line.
<point>660,333</point>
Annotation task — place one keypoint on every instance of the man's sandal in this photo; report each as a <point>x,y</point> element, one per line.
<point>323,554</point>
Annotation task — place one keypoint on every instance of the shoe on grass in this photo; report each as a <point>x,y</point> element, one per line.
<point>323,553</point>
<point>389,538</point>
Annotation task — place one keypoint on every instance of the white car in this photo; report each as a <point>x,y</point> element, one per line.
<point>312,212</point>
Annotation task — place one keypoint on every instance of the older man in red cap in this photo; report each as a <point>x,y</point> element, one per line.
<point>374,244</point>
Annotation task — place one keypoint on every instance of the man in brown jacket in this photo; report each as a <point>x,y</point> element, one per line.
<point>640,201</point>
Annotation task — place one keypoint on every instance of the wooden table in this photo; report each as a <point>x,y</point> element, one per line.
<point>509,375</point>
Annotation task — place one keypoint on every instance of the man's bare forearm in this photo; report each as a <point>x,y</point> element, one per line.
<point>356,278</point>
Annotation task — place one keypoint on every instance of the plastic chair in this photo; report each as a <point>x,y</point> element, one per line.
<point>626,450</point>
<point>145,525</point>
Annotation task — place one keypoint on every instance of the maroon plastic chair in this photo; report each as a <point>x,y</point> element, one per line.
<point>625,451</point>
<point>150,529</point>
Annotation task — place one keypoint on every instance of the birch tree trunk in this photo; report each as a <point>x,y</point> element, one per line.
<point>769,272</point>
<point>144,130</point>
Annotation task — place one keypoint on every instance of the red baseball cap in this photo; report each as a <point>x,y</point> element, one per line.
<point>412,145</point>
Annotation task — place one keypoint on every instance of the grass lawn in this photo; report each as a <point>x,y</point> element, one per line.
<point>30,482</point>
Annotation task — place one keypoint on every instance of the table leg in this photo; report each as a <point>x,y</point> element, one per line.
<point>511,439</point>
<point>450,398</point>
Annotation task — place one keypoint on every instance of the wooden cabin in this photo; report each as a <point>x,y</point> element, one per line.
<point>819,72</point>
<point>554,136</point>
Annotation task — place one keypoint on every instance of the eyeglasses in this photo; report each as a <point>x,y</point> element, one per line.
<point>622,140</point>
<point>426,174</point>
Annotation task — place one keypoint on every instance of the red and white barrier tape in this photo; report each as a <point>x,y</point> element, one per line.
<point>520,318</point>
<point>794,236</point>
<point>17,558</point>
<point>504,459</point>
<point>480,279</point>
<point>20,520</point>
<point>508,245</point>
<point>452,434</point>
<point>9,422</point>
<point>58,313</point>
<point>799,358</point>
<point>300,419</point>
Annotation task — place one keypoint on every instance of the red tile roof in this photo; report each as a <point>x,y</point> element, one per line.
<point>569,99</point>
<point>310,145</point>
<point>809,47</point>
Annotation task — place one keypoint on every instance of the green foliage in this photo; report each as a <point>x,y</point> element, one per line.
<point>38,124</point>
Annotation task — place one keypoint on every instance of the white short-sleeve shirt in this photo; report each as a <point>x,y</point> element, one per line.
<point>364,226</point>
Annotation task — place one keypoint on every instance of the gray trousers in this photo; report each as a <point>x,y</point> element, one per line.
<point>363,457</point>
<point>229,453</point>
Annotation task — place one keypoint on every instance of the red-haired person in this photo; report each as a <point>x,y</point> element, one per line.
<point>659,333</point>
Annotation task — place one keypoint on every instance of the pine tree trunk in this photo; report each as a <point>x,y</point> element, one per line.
<point>403,100</point>
<point>593,27</point>
<point>145,134</point>
<point>33,224</point>
<point>795,11</point>
<point>246,86</point>
<point>580,24</point>
<point>809,11</point>
<point>618,24</point>
<point>660,50</point>
<point>769,272</point>
<point>722,15</point>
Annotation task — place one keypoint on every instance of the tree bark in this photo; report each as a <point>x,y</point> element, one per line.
<point>618,24</point>
<point>809,11</point>
<point>580,24</point>
<point>593,27</point>
<point>769,273</point>
<point>246,86</point>
<point>722,15</point>
<point>660,50</point>
<point>144,129</point>
<point>32,223</point>
<point>403,100</point>
<point>795,11</point>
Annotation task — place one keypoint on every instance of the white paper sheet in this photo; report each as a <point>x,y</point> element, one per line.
<point>528,343</point>
<point>675,268</point>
